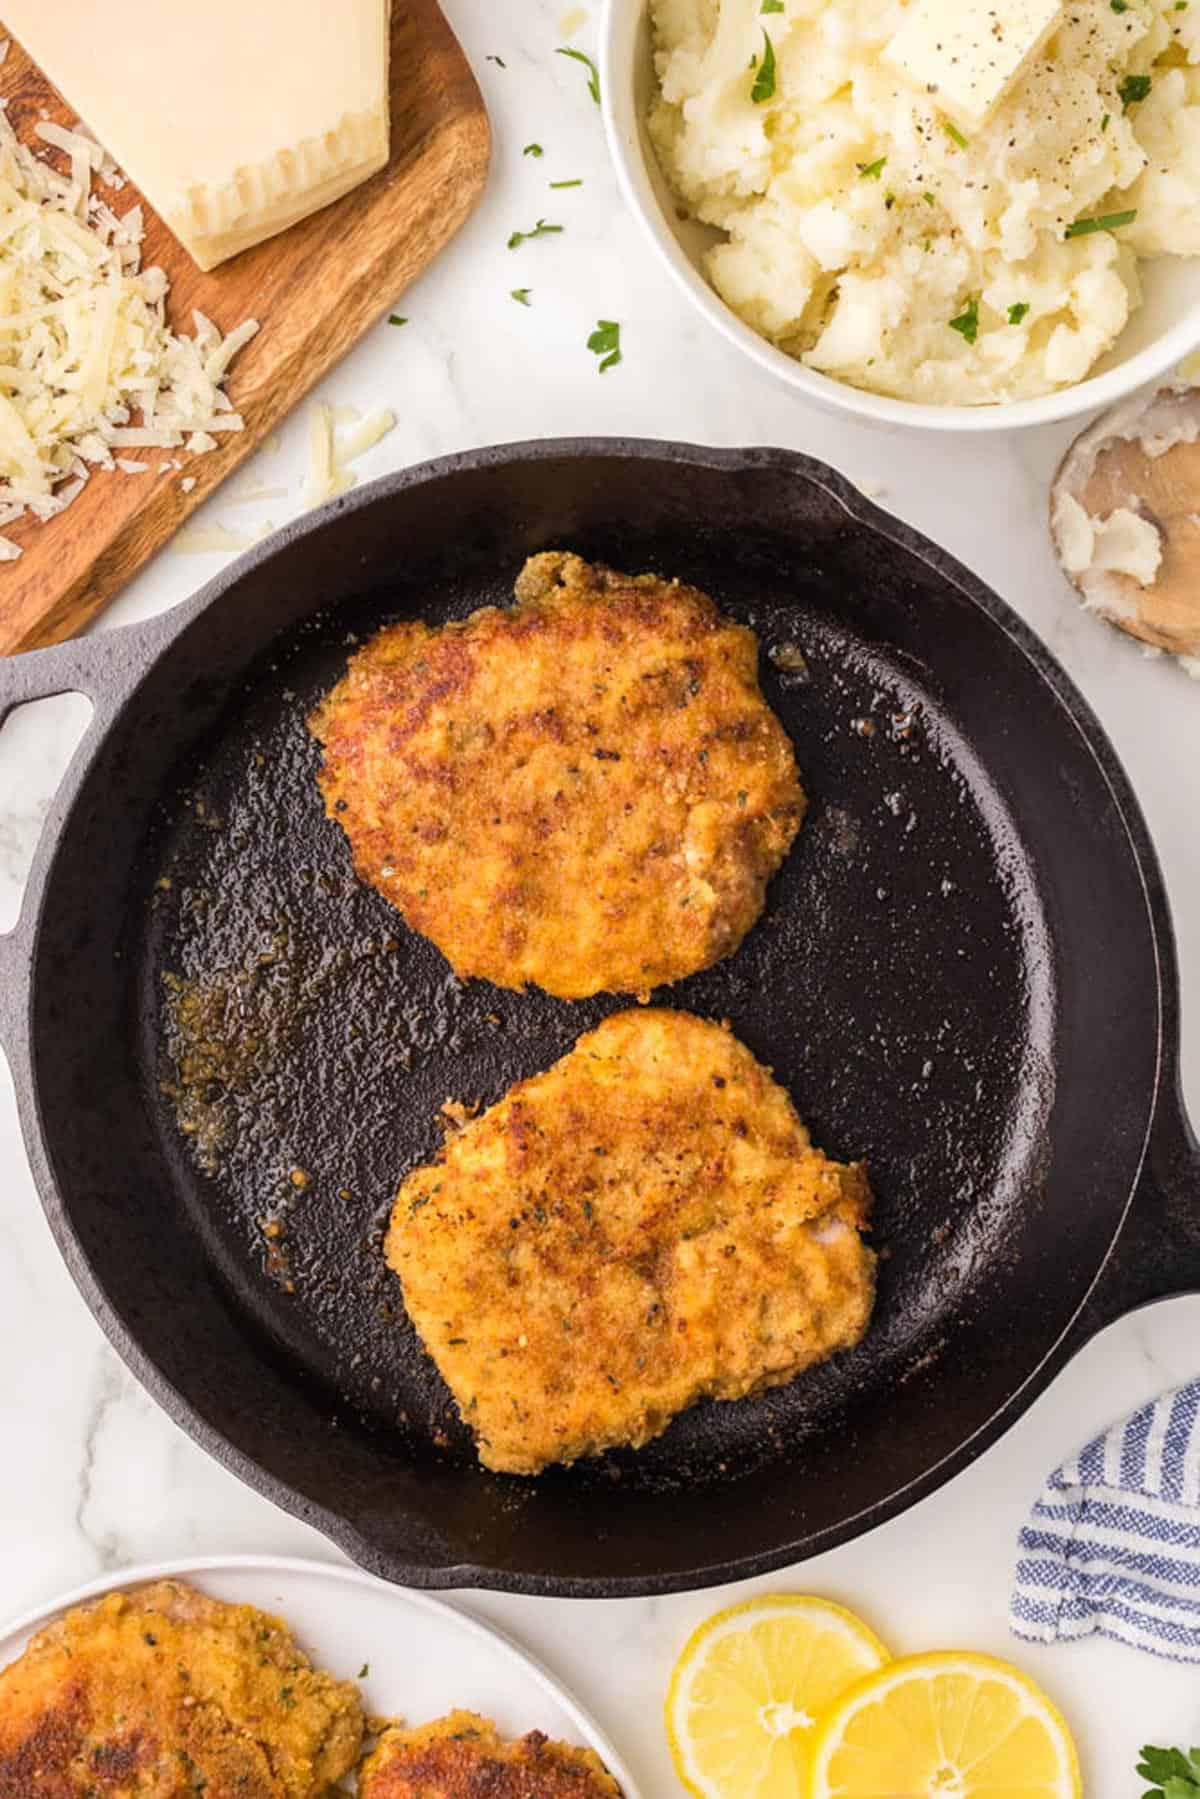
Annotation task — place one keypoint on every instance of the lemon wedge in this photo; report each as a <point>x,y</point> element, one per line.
<point>749,1687</point>
<point>950,1725</point>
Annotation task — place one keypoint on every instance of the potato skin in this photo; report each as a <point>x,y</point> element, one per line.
<point>163,1692</point>
<point>585,792</point>
<point>463,1757</point>
<point>644,1225</point>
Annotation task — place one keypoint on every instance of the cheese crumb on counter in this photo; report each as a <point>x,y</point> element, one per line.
<point>217,539</point>
<point>330,456</point>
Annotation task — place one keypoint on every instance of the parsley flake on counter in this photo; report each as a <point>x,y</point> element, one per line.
<point>1110,221</point>
<point>394,318</point>
<point>594,75</point>
<point>1133,89</point>
<point>952,131</point>
<point>764,81</point>
<point>578,182</point>
<point>533,150</point>
<point>1119,5</point>
<point>498,60</point>
<point>1017,313</point>
<point>928,198</point>
<point>1104,121</point>
<point>364,1670</point>
<point>771,6</point>
<point>521,295</point>
<point>605,342</point>
<point>967,323</point>
<point>541,229</point>
<point>871,171</point>
<point>1171,1772</point>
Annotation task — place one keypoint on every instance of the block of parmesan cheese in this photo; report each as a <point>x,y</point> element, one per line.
<point>235,118</point>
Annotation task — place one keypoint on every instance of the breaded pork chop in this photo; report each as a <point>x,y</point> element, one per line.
<point>163,1692</point>
<point>462,1757</point>
<point>645,1224</point>
<point>586,791</point>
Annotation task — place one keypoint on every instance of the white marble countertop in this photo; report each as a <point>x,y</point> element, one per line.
<point>96,1477</point>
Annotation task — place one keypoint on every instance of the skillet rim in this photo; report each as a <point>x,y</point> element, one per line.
<point>91,662</point>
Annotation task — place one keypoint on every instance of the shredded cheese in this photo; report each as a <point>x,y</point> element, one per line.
<point>218,539</point>
<point>89,367</point>
<point>330,456</point>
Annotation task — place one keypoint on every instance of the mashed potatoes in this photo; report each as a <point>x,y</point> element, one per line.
<point>873,241</point>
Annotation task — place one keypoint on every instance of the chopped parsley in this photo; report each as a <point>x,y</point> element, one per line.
<point>541,229</point>
<point>498,60</point>
<point>771,6</point>
<point>1119,5</point>
<point>889,200</point>
<point>521,295</point>
<point>928,198</point>
<point>871,171</point>
<point>967,322</point>
<point>533,150</point>
<point>952,131</point>
<point>1109,221</point>
<point>593,72</point>
<point>1104,121</point>
<point>605,342</point>
<point>1018,312</point>
<point>764,80</point>
<point>364,1670</point>
<point>1133,89</point>
<point>578,182</point>
<point>395,318</point>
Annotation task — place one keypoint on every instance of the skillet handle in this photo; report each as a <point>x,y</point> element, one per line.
<point>1157,1255</point>
<point>105,669</point>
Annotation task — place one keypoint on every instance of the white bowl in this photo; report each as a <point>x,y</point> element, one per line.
<point>1164,329</point>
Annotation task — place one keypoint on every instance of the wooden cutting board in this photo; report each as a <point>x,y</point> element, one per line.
<point>315,289</point>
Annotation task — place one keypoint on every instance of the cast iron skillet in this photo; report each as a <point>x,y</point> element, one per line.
<point>965,974</point>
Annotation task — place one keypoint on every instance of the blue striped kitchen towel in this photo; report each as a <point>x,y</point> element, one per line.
<point>1112,1547</point>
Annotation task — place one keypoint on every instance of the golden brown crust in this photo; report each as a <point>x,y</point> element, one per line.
<point>645,1224</point>
<point>586,791</point>
<point>163,1692</point>
<point>462,1757</point>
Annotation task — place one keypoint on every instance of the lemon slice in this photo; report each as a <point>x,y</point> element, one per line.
<point>949,1726</point>
<point>748,1689</point>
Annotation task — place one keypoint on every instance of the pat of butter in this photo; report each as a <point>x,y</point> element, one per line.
<point>235,118</point>
<point>966,54</point>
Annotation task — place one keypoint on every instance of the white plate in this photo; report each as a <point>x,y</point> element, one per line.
<point>424,1658</point>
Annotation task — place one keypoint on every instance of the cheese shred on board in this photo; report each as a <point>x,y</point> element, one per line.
<point>91,374</point>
